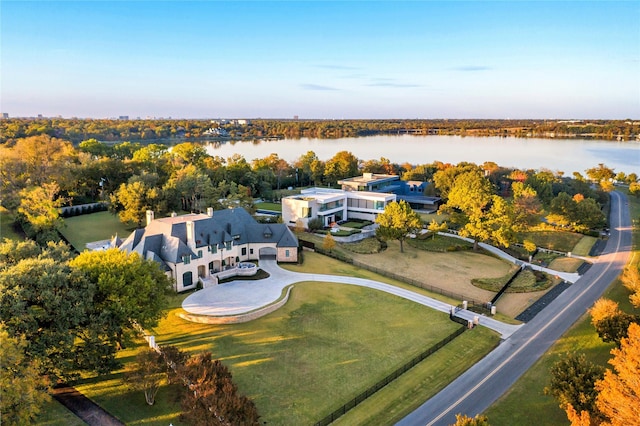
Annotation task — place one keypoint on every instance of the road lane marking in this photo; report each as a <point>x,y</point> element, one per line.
<point>535,336</point>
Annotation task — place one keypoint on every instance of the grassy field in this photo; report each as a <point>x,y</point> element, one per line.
<point>525,404</point>
<point>79,230</point>
<point>327,344</point>
<point>583,247</point>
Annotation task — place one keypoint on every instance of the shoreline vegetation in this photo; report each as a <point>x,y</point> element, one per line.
<point>180,130</point>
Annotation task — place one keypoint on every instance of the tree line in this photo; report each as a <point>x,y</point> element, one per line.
<point>110,130</point>
<point>40,174</point>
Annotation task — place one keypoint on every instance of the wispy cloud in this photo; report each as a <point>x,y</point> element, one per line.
<point>389,82</point>
<point>308,86</point>
<point>338,67</point>
<point>472,68</point>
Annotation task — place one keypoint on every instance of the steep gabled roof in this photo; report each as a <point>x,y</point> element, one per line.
<point>166,238</point>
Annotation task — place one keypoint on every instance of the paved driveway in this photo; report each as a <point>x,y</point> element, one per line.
<point>240,296</point>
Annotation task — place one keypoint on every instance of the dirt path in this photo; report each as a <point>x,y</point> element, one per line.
<point>90,412</point>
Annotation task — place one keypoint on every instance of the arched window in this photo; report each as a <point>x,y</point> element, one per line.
<point>187,279</point>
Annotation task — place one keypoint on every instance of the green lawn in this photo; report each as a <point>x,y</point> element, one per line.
<point>553,240</point>
<point>6,226</point>
<point>79,230</point>
<point>276,207</point>
<point>326,345</point>
<point>399,398</point>
<point>329,343</point>
<point>583,247</point>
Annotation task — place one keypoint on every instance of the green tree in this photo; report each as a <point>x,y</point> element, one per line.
<point>23,389</point>
<point>471,194</point>
<point>398,221</point>
<point>147,374</point>
<point>190,190</point>
<point>133,200</point>
<point>573,381</point>
<point>48,303</point>
<point>211,397</point>
<point>129,292</point>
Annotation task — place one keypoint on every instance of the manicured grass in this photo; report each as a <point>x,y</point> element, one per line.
<point>428,217</point>
<point>495,284</point>
<point>79,230</point>
<point>6,226</point>
<point>327,344</point>
<point>553,240</point>
<point>55,414</point>
<point>584,246</point>
<point>399,398</point>
<point>276,207</point>
<point>566,264</point>
<point>430,242</point>
<point>356,225</point>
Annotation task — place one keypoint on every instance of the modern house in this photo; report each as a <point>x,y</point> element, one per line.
<point>333,205</point>
<point>410,191</point>
<point>199,247</point>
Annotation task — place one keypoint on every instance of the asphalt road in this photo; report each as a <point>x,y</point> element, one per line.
<point>475,390</point>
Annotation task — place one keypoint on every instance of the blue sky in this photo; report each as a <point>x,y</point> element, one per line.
<point>359,59</point>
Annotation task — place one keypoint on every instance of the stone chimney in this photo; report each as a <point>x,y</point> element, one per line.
<point>210,211</point>
<point>150,216</point>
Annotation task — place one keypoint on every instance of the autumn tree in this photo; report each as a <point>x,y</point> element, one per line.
<point>39,207</point>
<point>398,221</point>
<point>526,205</point>
<point>619,390</point>
<point>211,398</point>
<point>175,360</point>
<point>464,420</point>
<point>147,374</point>
<point>23,388</point>
<point>631,280</point>
<point>573,381</point>
<point>436,227</point>
<point>328,242</point>
<point>609,321</point>
<point>342,165</point>
<point>600,174</point>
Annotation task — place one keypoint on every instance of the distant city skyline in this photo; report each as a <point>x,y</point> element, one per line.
<point>321,60</point>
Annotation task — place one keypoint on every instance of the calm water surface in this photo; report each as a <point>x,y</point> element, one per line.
<point>567,155</point>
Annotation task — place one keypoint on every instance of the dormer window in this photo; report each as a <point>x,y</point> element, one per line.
<point>186,259</point>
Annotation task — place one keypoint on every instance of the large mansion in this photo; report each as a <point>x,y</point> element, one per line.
<point>196,247</point>
<point>361,197</point>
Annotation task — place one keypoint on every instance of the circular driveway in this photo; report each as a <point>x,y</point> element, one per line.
<point>241,296</point>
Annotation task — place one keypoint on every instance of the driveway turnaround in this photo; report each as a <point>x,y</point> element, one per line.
<point>242,296</point>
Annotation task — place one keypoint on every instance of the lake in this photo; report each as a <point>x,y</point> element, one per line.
<point>567,155</point>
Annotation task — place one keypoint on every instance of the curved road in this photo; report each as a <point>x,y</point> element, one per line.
<point>475,390</point>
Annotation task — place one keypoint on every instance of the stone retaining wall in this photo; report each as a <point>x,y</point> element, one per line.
<point>237,319</point>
